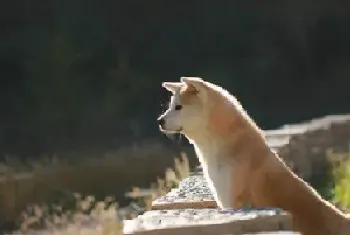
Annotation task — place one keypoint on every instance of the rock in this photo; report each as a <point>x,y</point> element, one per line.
<point>208,222</point>
<point>306,152</point>
<point>192,192</point>
<point>303,147</point>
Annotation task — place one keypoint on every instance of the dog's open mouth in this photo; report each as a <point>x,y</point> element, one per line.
<point>171,131</point>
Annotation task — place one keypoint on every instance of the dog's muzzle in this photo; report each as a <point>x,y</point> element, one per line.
<point>162,126</point>
<point>161,123</point>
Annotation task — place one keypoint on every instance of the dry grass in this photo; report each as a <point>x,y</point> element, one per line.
<point>89,216</point>
<point>24,183</point>
<point>172,179</point>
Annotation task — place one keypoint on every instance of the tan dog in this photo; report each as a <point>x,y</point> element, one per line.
<point>238,164</point>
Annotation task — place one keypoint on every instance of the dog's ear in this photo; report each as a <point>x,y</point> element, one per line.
<point>172,86</point>
<point>197,85</point>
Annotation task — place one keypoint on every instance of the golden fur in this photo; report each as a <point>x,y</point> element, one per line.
<point>227,139</point>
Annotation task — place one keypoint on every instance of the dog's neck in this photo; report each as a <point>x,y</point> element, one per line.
<point>205,144</point>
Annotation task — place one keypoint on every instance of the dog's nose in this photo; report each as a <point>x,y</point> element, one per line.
<point>161,122</point>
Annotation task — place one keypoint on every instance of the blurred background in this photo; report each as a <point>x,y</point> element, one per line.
<point>82,79</point>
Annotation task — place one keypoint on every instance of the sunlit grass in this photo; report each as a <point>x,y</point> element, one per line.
<point>86,215</point>
<point>51,178</point>
<point>342,186</point>
<point>89,216</point>
<point>341,178</point>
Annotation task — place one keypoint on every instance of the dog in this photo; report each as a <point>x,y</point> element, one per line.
<point>237,162</point>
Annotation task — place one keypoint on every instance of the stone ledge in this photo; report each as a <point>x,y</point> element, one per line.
<point>271,233</point>
<point>193,192</point>
<point>170,216</point>
<point>208,222</point>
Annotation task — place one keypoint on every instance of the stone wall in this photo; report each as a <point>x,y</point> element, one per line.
<point>191,209</point>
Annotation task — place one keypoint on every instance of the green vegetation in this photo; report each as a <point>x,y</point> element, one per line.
<point>337,188</point>
<point>341,190</point>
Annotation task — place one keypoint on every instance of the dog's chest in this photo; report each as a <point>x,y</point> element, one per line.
<point>218,175</point>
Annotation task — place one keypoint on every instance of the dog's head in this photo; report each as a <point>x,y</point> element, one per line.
<point>187,110</point>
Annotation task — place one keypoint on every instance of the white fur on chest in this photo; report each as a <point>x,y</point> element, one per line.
<point>217,174</point>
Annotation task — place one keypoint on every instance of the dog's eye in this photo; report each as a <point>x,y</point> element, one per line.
<point>178,107</point>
